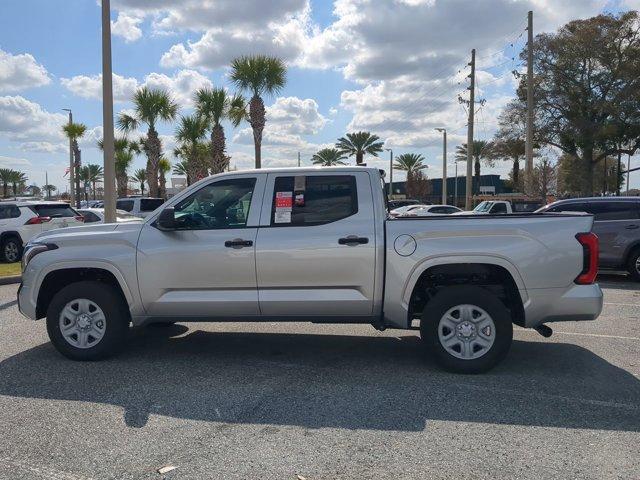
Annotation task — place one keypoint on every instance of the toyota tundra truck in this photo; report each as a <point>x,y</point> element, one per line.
<point>318,245</point>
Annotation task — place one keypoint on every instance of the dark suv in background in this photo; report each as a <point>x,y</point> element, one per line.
<point>617,224</point>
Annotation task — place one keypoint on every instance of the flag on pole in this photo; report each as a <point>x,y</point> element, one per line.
<point>66,172</point>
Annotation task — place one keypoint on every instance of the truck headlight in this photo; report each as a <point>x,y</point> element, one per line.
<point>33,249</point>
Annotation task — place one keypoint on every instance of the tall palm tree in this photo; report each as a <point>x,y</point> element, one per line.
<point>140,175</point>
<point>328,157</point>
<point>95,175</point>
<point>481,152</point>
<point>411,163</point>
<point>17,179</point>
<point>258,75</point>
<point>182,168</point>
<point>5,178</point>
<point>85,177</point>
<point>125,150</point>
<point>214,106</point>
<point>164,167</point>
<point>358,144</point>
<point>189,134</point>
<point>75,131</point>
<point>150,107</point>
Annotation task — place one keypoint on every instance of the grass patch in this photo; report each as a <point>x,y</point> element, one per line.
<point>10,269</point>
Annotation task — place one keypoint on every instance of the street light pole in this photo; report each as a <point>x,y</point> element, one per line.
<point>72,192</point>
<point>444,164</point>
<point>455,195</point>
<point>390,171</point>
<point>107,117</point>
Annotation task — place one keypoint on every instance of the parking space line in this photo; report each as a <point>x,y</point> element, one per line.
<point>623,304</point>
<point>597,335</point>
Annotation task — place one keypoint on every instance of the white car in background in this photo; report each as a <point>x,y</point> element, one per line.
<point>138,206</point>
<point>401,211</point>
<point>430,210</point>
<point>22,220</point>
<point>96,215</point>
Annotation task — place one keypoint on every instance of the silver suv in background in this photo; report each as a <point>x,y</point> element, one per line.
<point>617,225</point>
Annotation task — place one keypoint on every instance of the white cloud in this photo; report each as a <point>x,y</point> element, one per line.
<point>13,162</point>
<point>28,123</point>
<point>91,87</point>
<point>127,27</point>
<point>182,85</point>
<point>20,72</point>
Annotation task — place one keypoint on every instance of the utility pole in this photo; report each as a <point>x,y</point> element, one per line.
<point>455,188</point>
<point>444,164</point>
<point>472,106</point>
<point>628,166</point>
<point>298,159</point>
<point>72,188</point>
<point>618,172</point>
<point>390,171</point>
<point>107,117</point>
<point>528,174</point>
<point>46,182</point>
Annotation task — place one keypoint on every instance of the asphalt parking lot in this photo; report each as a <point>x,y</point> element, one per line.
<point>288,401</point>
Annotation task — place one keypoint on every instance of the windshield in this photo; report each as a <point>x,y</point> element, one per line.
<point>483,207</point>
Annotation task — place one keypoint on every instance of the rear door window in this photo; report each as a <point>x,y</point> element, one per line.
<point>313,199</point>
<point>150,204</point>
<point>605,211</point>
<point>54,211</point>
<point>126,205</point>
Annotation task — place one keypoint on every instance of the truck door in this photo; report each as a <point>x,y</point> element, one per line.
<point>315,249</point>
<point>206,267</point>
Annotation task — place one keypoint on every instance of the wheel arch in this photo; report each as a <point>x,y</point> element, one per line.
<point>496,274</point>
<point>55,278</point>
<point>10,233</point>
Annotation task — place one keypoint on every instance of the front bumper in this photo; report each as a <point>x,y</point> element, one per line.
<point>575,303</point>
<point>25,305</point>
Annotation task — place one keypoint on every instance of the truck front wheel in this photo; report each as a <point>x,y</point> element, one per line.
<point>87,321</point>
<point>466,329</point>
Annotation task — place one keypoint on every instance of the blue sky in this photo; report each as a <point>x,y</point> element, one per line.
<point>388,66</point>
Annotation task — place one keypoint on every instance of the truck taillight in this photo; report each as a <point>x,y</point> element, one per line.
<point>590,249</point>
<point>38,220</point>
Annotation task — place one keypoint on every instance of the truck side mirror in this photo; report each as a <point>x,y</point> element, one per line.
<point>167,219</point>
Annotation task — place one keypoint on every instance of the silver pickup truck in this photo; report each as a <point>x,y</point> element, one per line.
<point>313,244</point>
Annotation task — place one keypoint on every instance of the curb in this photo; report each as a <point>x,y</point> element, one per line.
<point>10,280</point>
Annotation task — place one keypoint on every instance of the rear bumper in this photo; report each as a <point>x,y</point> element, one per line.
<point>576,303</point>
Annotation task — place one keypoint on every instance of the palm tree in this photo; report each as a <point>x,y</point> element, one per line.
<point>481,151</point>
<point>328,157</point>
<point>181,168</point>
<point>189,134</point>
<point>48,189</point>
<point>213,106</point>
<point>85,177</point>
<point>17,179</point>
<point>164,167</point>
<point>358,144</point>
<point>259,75</point>
<point>150,106</point>
<point>75,131</point>
<point>510,149</point>
<point>95,175</point>
<point>124,154</point>
<point>5,178</point>
<point>411,163</point>
<point>140,175</point>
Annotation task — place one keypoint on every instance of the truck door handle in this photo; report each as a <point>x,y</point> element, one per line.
<point>632,227</point>
<point>238,243</point>
<point>353,240</point>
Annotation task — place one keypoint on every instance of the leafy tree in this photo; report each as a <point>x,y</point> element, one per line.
<point>125,150</point>
<point>5,178</point>
<point>544,178</point>
<point>259,75</point>
<point>49,189</point>
<point>17,179</point>
<point>569,179</point>
<point>509,141</point>
<point>182,168</point>
<point>481,153</point>
<point>328,157</point>
<point>164,167</point>
<point>150,107</point>
<point>587,90</point>
<point>359,144</point>
<point>140,176</point>
<point>214,106</point>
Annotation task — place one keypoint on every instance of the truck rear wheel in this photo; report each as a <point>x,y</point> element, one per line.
<point>87,321</point>
<point>466,329</point>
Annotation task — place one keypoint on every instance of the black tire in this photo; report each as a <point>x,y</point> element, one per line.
<point>115,312</point>
<point>633,265</point>
<point>450,297</point>
<point>11,249</point>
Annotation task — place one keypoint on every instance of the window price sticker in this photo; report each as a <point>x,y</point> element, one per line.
<point>284,204</point>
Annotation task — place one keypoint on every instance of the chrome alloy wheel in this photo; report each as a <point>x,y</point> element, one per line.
<point>11,252</point>
<point>466,332</point>
<point>82,323</point>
